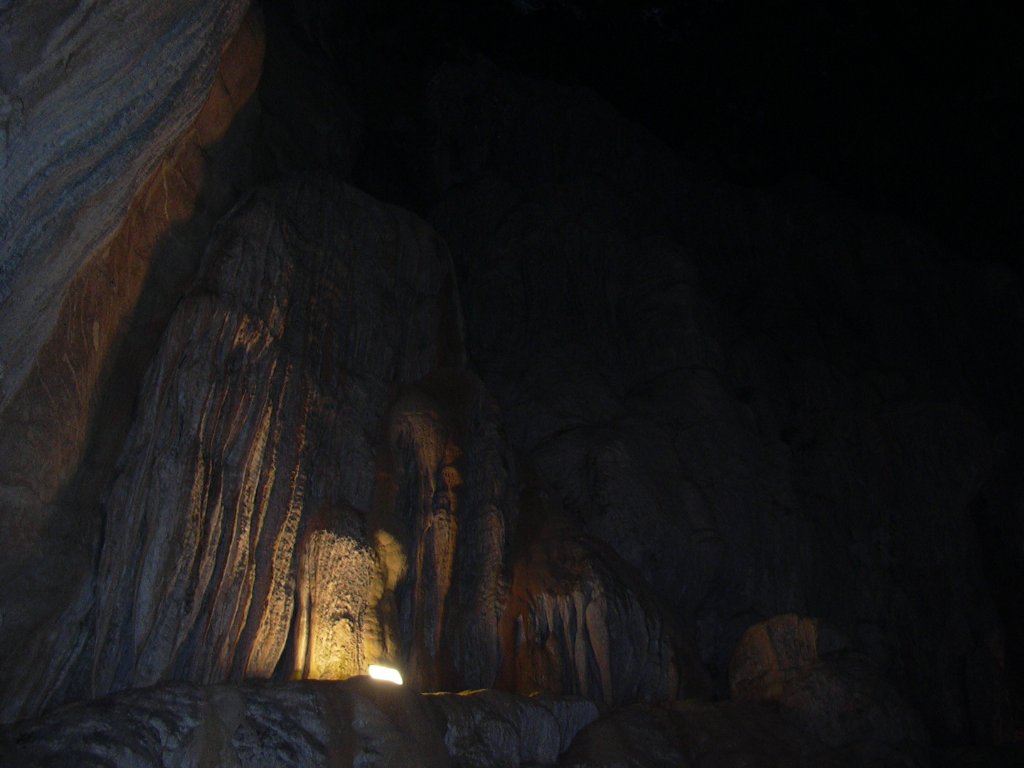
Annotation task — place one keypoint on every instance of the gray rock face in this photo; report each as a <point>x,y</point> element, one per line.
<point>91,96</point>
<point>493,729</point>
<point>359,722</point>
<point>62,426</point>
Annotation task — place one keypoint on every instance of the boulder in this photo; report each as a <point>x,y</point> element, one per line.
<point>495,729</point>
<point>828,689</point>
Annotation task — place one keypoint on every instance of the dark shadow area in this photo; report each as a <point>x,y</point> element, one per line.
<point>842,178</point>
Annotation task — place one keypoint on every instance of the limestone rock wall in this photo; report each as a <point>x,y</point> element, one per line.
<point>91,96</point>
<point>580,621</point>
<point>763,400</point>
<point>453,495</point>
<point>739,401</point>
<point>95,255</point>
<point>247,486</point>
<point>314,483</point>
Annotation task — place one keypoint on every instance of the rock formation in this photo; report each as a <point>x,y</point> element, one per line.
<point>247,487</point>
<point>311,486</point>
<point>96,252</point>
<point>579,622</point>
<point>358,722</point>
<point>334,334</point>
<point>492,728</point>
<point>828,689</point>
<point>714,432</point>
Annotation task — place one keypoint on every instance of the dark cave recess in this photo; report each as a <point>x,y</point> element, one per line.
<point>912,109</point>
<point>869,111</point>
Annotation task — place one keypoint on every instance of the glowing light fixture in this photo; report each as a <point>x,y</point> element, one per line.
<point>377,672</point>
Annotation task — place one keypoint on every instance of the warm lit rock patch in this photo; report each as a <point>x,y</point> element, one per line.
<point>247,490</point>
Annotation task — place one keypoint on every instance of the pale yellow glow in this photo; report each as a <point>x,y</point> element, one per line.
<point>377,672</point>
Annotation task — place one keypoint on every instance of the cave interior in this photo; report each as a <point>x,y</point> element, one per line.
<point>636,378</point>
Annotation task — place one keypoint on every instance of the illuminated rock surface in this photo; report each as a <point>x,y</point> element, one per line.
<point>246,494</point>
<point>326,522</point>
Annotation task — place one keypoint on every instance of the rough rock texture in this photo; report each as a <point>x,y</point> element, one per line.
<point>828,689</point>
<point>453,496</point>
<point>310,486</point>
<point>91,96</point>
<point>306,488</point>
<point>729,386</point>
<point>492,729</point>
<point>769,650</point>
<point>359,722</point>
<point>60,432</point>
<point>748,399</point>
<point>766,396</point>
<point>578,622</point>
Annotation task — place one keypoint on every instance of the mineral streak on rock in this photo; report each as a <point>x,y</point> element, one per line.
<point>144,72</point>
<point>64,411</point>
<point>248,492</point>
<point>453,497</point>
<point>94,94</point>
<point>578,623</point>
